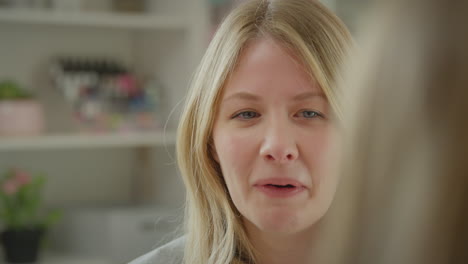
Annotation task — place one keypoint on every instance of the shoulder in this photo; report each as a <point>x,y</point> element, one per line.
<point>171,253</point>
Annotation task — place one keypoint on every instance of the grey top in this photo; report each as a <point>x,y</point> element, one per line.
<point>171,253</point>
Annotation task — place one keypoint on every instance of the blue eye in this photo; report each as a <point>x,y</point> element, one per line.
<point>246,115</point>
<point>310,114</point>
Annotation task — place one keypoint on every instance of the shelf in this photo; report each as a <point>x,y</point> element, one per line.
<point>92,19</point>
<point>54,258</point>
<point>71,260</point>
<point>146,139</point>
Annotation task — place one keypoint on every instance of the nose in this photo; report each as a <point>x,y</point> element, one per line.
<point>279,144</point>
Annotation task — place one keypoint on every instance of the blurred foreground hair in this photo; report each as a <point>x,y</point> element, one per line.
<point>403,197</point>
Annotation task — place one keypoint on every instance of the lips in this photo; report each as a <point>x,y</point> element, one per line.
<point>279,182</point>
<point>280,187</point>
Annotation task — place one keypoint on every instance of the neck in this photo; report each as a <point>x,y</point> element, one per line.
<point>273,248</point>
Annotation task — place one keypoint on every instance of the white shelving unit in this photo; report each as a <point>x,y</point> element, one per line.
<point>71,141</point>
<point>167,43</point>
<point>57,258</point>
<point>93,19</point>
<point>184,21</point>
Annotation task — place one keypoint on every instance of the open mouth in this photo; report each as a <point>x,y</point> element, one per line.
<point>280,190</point>
<point>287,186</point>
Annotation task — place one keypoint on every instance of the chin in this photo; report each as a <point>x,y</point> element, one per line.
<point>282,221</point>
<point>287,219</point>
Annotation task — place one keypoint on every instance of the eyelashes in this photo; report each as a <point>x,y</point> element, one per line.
<point>246,115</point>
<point>311,114</point>
<point>250,114</point>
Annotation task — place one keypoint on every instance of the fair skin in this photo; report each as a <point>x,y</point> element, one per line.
<point>272,135</point>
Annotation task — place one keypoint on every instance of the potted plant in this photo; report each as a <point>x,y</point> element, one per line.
<point>22,216</point>
<point>20,113</point>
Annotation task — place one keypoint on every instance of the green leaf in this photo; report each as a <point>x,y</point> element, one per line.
<point>21,209</point>
<point>52,218</point>
<point>11,90</point>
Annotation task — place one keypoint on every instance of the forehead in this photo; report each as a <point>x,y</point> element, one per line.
<point>266,67</point>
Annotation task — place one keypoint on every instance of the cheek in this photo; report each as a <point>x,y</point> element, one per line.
<point>231,149</point>
<point>320,153</point>
<point>235,153</point>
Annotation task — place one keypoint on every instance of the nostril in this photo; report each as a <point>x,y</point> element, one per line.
<point>288,157</point>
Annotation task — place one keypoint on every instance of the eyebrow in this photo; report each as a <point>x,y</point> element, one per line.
<point>243,96</point>
<point>252,97</point>
<point>308,95</point>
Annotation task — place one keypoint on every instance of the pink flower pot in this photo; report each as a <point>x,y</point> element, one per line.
<point>21,118</point>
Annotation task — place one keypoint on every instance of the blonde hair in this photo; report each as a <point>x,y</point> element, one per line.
<point>404,190</point>
<point>215,233</point>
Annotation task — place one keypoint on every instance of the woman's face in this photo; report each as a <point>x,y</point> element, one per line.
<point>272,135</point>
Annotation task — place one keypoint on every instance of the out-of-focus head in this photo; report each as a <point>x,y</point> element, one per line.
<point>312,42</point>
<point>403,195</point>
